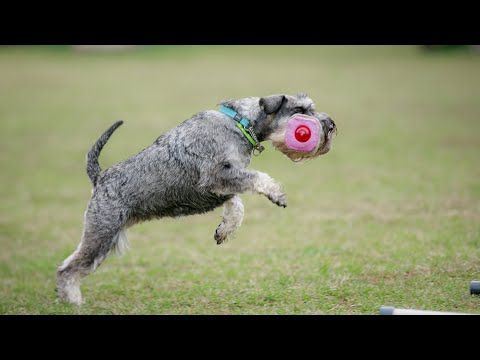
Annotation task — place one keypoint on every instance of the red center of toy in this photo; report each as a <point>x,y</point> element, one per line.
<point>303,133</point>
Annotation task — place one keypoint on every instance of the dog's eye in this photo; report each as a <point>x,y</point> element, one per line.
<point>298,110</point>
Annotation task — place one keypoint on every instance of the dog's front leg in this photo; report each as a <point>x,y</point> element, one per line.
<point>232,219</point>
<point>264,184</point>
<point>232,180</point>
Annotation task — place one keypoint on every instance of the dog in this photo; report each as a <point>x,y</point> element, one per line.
<point>194,168</point>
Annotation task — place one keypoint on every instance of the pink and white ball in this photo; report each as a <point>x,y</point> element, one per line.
<point>302,133</point>
<point>304,138</point>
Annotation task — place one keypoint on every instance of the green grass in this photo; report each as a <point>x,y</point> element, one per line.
<point>391,216</point>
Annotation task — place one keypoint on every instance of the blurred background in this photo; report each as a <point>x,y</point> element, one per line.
<point>389,217</point>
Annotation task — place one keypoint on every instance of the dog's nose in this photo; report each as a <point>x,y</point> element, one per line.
<point>328,124</point>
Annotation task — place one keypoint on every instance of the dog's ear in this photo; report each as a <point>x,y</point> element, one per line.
<point>271,104</point>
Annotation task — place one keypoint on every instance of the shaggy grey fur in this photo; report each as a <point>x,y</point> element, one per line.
<point>192,169</point>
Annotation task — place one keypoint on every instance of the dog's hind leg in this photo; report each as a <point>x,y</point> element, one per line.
<point>232,218</point>
<point>102,234</point>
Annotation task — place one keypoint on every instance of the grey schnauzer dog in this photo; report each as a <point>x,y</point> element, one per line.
<point>194,168</point>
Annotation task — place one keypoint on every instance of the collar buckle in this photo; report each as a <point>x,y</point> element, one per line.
<point>257,149</point>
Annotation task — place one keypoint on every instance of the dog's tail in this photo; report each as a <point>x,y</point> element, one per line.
<point>93,167</point>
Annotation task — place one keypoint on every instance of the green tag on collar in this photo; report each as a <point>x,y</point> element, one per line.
<point>247,135</point>
<point>244,125</point>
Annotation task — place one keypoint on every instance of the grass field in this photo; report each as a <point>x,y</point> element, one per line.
<point>391,216</point>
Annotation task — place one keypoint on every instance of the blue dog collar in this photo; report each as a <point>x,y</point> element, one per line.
<point>244,125</point>
<point>234,115</point>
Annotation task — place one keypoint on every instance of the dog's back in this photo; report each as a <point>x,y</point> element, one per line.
<point>172,177</point>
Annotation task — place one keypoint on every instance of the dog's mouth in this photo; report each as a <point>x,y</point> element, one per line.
<point>325,130</point>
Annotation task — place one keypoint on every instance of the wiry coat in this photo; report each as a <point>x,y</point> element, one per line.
<point>194,168</point>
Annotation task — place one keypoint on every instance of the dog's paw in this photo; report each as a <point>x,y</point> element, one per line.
<point>73,300</point>
<point>221,235</point>
<point>280,199</point>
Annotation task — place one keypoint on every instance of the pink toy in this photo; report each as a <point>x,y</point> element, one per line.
<point>302,133</point>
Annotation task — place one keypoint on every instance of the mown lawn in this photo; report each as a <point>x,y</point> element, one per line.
<point>391,216</point>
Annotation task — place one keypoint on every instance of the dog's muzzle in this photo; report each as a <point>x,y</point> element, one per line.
<point>328,126</point>
<point>305,137</point>
<point>303,132</point>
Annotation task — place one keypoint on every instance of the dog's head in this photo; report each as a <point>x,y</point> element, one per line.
<point>281,111</point>
<point>271,117</point>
